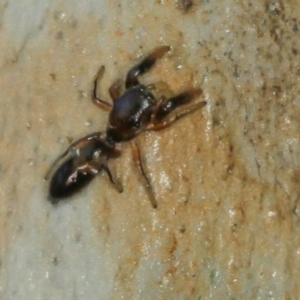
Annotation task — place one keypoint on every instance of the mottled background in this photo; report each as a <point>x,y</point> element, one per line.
<point>226,177</point>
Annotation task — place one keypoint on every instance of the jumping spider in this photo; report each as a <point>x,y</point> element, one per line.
<point>135,111</point>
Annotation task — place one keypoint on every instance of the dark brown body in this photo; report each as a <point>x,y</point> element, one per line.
<point>133,112</point>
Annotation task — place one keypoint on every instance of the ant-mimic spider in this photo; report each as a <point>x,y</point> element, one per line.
<point>133,112</point>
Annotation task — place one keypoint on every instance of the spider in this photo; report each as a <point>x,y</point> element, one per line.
<point>131,113</point>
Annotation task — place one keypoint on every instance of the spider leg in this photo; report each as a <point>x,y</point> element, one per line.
<point>99,102</point>
<point>144,66</point>
<point>115,90</point>
<point>112,179</point>
<point>165,107</point>
<point>137,160</point>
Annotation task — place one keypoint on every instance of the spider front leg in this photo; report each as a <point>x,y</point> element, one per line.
<point>144,66</point>
<point>166,106</point>
<point>99,102</point>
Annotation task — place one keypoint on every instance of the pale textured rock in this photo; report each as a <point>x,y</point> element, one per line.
<point>226,178</point>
